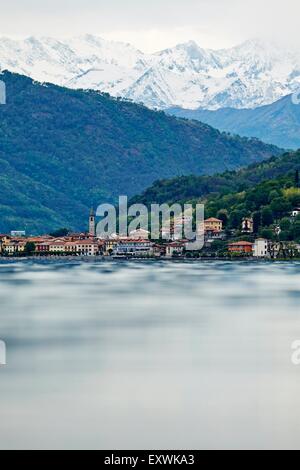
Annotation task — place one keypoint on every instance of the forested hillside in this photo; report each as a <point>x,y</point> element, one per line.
<point>62,151</point>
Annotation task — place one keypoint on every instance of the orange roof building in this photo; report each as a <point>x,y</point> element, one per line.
<point>241,247</point>
<point>213,225</point>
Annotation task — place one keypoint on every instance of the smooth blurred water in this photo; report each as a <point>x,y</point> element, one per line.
<point>129,355</point>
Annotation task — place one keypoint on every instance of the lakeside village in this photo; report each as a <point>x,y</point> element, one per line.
<point>218,243</point>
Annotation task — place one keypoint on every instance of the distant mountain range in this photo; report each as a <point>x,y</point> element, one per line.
<point>252,74</point>
<point>62,150</point>
<point>277,123</point>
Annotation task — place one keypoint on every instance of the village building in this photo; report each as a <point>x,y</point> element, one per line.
<point>168,231</point>
<point>109,246</point>
<point>261,248</point>
<point>83,247</point>
<point>247,225</point>
<point>4,240</point>
<point>87,248</point>
<point>242,247</point>
<point>212,235</point>
<point>213,225</point>
<point>139,234</point>
<point>77,236</point>
<point>42,247</point>
<point>296,212</point>
<point>10,248</point>
<point>57,247</point>
<point>13,247</point>
<point>277,230</point>
<point>173,229</point>
<point>159,251</point>
<point>134,248</point>
<point>175,249</point>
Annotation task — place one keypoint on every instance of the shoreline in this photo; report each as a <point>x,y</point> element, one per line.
<point>99,259</point>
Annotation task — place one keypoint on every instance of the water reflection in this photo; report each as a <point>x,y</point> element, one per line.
<point>149,355</point>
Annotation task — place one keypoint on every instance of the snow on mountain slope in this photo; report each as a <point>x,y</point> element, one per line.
<point>246,76</point>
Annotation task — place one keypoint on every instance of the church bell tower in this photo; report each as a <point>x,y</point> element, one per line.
<point>92,223</point>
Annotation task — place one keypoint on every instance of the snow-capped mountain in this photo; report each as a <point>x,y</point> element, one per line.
<point>246,76</point>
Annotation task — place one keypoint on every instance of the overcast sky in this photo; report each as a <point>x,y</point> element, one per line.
<point>155,24</point>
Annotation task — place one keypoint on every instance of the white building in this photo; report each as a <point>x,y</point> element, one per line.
<point>296,212</point>
<point>18,233</point>
<point>57,247</point>
<point>140,234</point>
<point>261,248</point>
<point>134,248</point>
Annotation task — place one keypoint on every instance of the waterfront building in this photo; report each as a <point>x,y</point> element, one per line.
<point>86,248</point>
<point>57,247</point>
<point>242,247</point>
<point>134,248</point>
<point>42,247</point>
<point>109,246</point>
<point>159,250</point>
<point>261,248</point>
<point>175,249</point>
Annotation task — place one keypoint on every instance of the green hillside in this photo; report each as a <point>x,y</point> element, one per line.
<point>269,203</point>
<point>63,150</point>
<point>267,192</point>
<point>185,188</point>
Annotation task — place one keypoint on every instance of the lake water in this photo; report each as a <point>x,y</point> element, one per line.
<point>142,355</point>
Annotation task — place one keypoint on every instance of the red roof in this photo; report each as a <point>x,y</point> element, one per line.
<point>241,244</point>
<point>213,219</point>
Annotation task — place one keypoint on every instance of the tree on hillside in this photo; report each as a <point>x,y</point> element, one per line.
<point>29,248</point>
<point>267,233</point>
<point>61,232</point>
<point>223,215</point>
<point>296,230</point>
<point>235,219</point>
<point>257,221</point>
<point>297,179</point>
<point>267,217</point>
<point>280,206</point>
<point>285,224</point>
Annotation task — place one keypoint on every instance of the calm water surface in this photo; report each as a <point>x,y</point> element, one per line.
<point>117,355</point>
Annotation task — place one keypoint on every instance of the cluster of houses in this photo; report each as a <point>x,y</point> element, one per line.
<point>138,244</point>
<point>259,248</point>
<point>84,244</point>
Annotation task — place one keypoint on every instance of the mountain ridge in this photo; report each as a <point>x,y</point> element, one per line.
<point>277,123</point>
<point>249,75</point>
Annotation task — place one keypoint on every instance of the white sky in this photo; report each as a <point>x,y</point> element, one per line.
<point>155,24</point>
